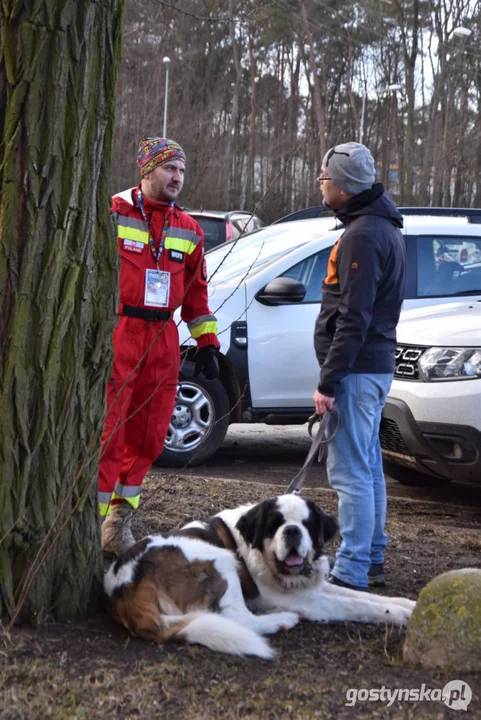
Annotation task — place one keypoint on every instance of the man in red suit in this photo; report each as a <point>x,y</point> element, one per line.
<point>162,268</point>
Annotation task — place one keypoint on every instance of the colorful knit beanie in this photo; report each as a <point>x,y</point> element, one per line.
<point>154,151</point>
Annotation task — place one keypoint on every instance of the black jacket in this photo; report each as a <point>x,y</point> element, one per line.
<point>362,292</point>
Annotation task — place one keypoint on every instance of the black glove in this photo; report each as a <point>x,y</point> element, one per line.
<point>207,363</point>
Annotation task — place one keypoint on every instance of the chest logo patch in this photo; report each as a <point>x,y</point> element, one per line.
<point>133,246</point>
<point>176,256</point>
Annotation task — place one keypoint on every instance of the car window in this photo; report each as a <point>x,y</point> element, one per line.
<point>237,228</point>
<point>311,272</point>
<point>448,266</point>
<point>253,223</point>
<point>214,230</point>
<point>242,224</point>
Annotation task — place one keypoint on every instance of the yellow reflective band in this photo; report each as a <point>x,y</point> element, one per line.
<point>104,509</point>
<point>186,246</point>
<point>204,329</point>
<point>130,233</point>
<point>133,501</point>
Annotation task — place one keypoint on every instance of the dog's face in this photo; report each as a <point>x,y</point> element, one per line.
<point>290,532</point>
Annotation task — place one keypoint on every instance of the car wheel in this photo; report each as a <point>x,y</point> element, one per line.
<point>199,422</point>
<point>406,476</point>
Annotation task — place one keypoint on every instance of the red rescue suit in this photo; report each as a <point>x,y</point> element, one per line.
<point>141,392</point>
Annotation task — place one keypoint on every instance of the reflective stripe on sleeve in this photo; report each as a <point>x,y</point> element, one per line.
<point>203,325</point>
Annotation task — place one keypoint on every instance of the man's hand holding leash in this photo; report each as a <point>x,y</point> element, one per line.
<point>322,402</point>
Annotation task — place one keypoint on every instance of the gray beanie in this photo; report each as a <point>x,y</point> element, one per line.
<point>351,167</point>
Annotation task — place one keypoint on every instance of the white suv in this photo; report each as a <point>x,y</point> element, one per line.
<point>431,424</point>
<point>265,290</point>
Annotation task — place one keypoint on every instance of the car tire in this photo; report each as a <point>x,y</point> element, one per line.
<point>413,478</point>
<point>199,422</point>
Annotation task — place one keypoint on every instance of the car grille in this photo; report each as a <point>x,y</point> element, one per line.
<point>406,358</point>
<point>391,438</point>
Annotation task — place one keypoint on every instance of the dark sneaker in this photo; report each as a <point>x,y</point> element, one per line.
<point>376,575</point>
<point>333,580</point>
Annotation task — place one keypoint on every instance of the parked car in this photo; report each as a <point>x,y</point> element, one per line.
<point>266,292</point>
<point>220,227</point>
<point>431,424</point>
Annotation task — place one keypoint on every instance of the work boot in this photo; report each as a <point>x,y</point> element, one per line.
<point>116,533</point>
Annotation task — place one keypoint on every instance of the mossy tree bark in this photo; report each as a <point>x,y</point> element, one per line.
<point>58,288</point>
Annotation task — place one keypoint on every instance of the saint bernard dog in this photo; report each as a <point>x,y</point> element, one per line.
<point>241,574</point>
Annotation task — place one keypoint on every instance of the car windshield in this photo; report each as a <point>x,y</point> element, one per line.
<point>254,251</point>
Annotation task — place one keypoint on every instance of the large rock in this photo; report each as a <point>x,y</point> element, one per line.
<point>445,628</point>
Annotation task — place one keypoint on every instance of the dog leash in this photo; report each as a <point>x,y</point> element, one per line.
<point>318,447</point>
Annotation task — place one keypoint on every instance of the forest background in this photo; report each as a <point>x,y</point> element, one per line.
<point>258,90</point>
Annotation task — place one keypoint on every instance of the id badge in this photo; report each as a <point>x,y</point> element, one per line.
<point>157,288</point>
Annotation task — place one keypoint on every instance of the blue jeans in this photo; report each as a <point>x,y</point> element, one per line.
<point>354,468</point>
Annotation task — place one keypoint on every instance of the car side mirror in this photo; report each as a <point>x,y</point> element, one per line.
<point>281,291</point>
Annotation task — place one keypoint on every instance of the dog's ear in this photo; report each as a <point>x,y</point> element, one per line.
<point>322,527</point>
<point>330,527</point>
<point>252,525</point>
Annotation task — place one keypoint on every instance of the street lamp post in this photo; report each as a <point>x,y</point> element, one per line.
<point>166,62</point>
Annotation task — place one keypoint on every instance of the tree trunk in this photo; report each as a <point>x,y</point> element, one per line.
<point>477,150</point>
<point>292,134</point>
<point>409,58</point>
<point>58,290</point>
<point>252,127</point>
<point>440,136</point>
<point>315,80</point>
<point>350,94</point>
<point>229,162</point>
<point>386,143</point>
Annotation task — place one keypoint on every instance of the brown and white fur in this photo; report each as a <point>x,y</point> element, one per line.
<point>203,583</point>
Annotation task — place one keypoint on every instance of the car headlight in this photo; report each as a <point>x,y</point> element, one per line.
<point>450,364</point>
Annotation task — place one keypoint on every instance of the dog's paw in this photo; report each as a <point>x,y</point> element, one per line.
<point>274,622</point>
<point>397,615</point>
<point>290,620</point>
<point>405,603</point>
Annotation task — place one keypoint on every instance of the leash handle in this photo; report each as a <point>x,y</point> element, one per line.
<point>318,447</point>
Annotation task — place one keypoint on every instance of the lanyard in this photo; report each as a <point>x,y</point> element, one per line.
<point>156,253</point>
